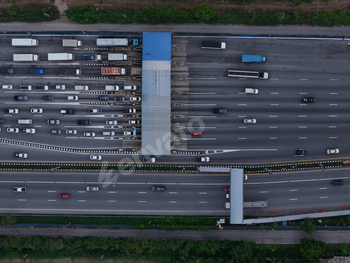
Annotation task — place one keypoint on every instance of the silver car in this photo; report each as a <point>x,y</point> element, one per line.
<point>92,189</point>
<point>333,151</point>
<point>249,121</point>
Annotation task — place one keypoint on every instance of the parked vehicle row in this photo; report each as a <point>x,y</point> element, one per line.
<point>63,87</point>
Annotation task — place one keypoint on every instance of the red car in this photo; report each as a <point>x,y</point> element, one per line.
<point>64,196</point>
<point>196,133</point>
<point>227,189</point>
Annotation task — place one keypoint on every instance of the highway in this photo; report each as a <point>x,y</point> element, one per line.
<point>285,124</point>
<point>185,193</point>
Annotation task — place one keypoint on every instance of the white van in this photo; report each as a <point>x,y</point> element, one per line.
<point>25,121</point>
<point>111,88</point>
<point>133,87</point>
<point>108,133</point>
<point>80,87</point>
<point>251,91</point>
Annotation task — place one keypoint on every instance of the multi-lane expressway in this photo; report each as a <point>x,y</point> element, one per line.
<point>185,194</point>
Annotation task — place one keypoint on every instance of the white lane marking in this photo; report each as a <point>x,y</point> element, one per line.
<point>302,104</point>
<point>141,201</point>
<point>172,202</point>
<point>273,116</point>
<point>242,116</point>
<point>274,93</point>
<point>263,192</point>
<point>274,104</point>
<point>82,192</point>
<point>302,79</point>
<point>81,200</point>
<point>322,188</point>
<point>51,200</point>
<point>37,126</point>
<point>242,138</point>
<point>333,93</point>
<point>242,104</point>
<point>293,199</point>
<point>112,201</point>
<point>273,138</point>
<point>112,192</point>
<point>332,127</point>
<point>302,116</point>
<point>142,192</point>
<point>242,127</point>
<point>172,193</point>
<point>202,193</point>
<point>302,93</point>
<point>293,190</point>
<point>302,138</point>
<point>333,137</point>
<point>273,78</point>
<point>323,196</point>
<point>333,104</point>
<point>51,191</point>
<point>302,127</point>
<point>332,116</point>
<point>22,200</point>
<point>333,79</point>
<point>273,127</point>
<point>202,202</point>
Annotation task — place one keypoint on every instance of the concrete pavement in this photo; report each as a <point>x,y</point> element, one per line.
<point>64,24</point>
<point>256,236</point>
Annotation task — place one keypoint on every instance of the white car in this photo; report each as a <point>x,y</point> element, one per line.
<point>72,97</point>
<point>58,87</point>
<point>95,110</point>
<point>71,131</point>
<point>21,155</point>
<point>134,122</point>
<point>111,122</point>
<point>96,157</point>
<point>12,129</point>
<point>333,151</point>
<point>29,130</point>
<point>89,134</point>
<point>12,111</point>
<point>249,121</point>
<point>19,189</point>
<point>203,159</point>
<point>6,86</point>
<point>52,122</point>
<point>135,98</point>
<point>127,133</point>
<point>92,189</point>
<point>36,110</point>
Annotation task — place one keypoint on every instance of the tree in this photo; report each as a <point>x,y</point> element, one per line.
<point>311,249</point>
<point>8,220</point>
<point>308,226</point>
<point>204,13</point>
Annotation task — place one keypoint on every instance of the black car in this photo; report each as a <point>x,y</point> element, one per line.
<point>158,188</point>
<point>89,57</point>
<point>220,111</point>
<point>309,100</point>
<point>49,98</point>
<point>6,71</point>
<point>118,98</point>
<point>20,97</point>
<point>104,97</point>
<point>84,122</point>
<point>300,152</point>
<point>68,111</point>
<point>2,121</point>
<point>337,182</point>
<point>55,131</point>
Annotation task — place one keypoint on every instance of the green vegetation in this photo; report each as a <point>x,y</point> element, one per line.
<point>7,220</point>
<point>308,226</point>
<point>205,13</point>
<point>166,250</point>
<point>30,12</point>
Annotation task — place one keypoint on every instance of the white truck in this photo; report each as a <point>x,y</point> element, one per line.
<point>81,87</point>
<point>71,43</point>
<point>117,56</point>
<point>24,42</point>
<point>111,88</point>
<point>227,205</point>
<point>25,57</point>
<point>60,56</point>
